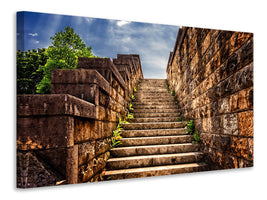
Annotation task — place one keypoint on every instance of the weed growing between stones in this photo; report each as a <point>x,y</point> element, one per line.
<point>180,119</point>
<point>190,129</point>
<point>115,139</point>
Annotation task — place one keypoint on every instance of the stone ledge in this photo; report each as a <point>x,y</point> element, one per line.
<point>100,64</point>
<point>80,76</point>
<point>54,104</point>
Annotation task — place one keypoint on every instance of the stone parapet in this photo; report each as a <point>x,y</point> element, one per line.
<point>65,137</point>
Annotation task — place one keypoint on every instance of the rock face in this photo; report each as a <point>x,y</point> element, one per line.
<point>154,143</point>
<point>211,72</point>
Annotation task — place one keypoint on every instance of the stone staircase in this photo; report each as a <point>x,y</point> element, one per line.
<point>154,143</point>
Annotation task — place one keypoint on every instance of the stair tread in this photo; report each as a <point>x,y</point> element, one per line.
<point>154,130</point>
<point>154,168</point>
<point>158,123</point>
<point>155,137</point>
<point>153,146</point>
<point>154,156</point>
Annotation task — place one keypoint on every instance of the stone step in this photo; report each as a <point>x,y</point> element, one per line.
<point>154,171</point>
<point>166,106</point>
<point>153,125</point>
<point>171,102</point>
<point>154,81</point>
<point>154,100</point>
<point>159,110</point>
<point>158,114</point>
<point>156,140</point>
<point>154,119</point>
<point>150,86</point>
<point>153,160</point>
<point>154,96</point>
<point>152,132</point>
<point>146,91</point>
<point>152,89</point>
<point>153,149</point>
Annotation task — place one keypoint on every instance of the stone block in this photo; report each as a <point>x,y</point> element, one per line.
<point>100,162</point>
<point>223,105</point>
<point>244,78</point>
<point>83,130</point>
<point>238,39</point>
<point>206,125</point>
<point>103,145</point>
<point>86,171</point>
<point>242,100</point>
<point>247,53</point>
<point>245,123</point>
<point>240,147</point>
<point>217,124</point>
<point>53,104</point>
<point>230,124</point>
<point>45,132</point>
<point>86,152</point>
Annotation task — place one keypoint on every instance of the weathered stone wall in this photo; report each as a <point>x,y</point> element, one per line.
<point>211,72</point>
<point>65,137</point>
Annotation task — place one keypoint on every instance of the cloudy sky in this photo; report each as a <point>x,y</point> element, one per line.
<point>153,42</point>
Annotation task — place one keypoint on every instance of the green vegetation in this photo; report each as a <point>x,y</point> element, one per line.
<point>130,115</point>
<point>180,119</point>
<point>116,136</point>
<point>167,86</point>
<point>173,93</point>
<point>28,75</point>
<point>190,126</point>
<point>132,97</point>
<point>66,47</point>
<point>190,129</point>
<point>34,67</point>
<point>196,137</point>
<point>131,106</point>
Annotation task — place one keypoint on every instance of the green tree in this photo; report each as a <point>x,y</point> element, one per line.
<point>28,75</point>
<point>66,47</point>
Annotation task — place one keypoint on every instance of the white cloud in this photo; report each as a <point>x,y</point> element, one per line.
<point>126,39</point>
<point>88,20</point>
<point>122,23</point>
<point>152,42</point>
<point>33,34</point>
<point>37,42</point>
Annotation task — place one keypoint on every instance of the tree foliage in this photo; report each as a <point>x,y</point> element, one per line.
<point>34,67</point>
<point>28,75</point>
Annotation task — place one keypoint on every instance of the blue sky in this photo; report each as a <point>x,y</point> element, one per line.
<point>153,42</point>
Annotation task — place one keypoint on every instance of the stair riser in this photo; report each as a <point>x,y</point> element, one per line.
<point>139,103</point>
<point>156,172</point>
<point>145,115</point>
<point>161,119</point>
<point>155,107</point>
<point>152,150</point>
<point>154,98</point>
<point>163,125</point>
<point>155,141</point>
<point>153,94</point>
<point>148,133</point>
<point>156,110</point>
<point>153,161</point>
<point>153,90</point>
